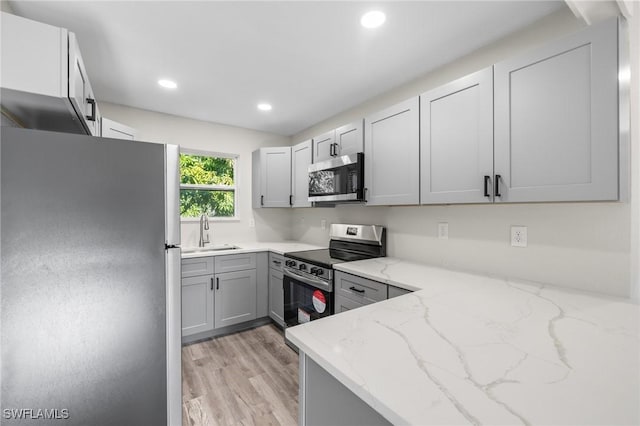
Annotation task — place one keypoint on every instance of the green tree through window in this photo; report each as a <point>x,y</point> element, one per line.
<point>207,185</point>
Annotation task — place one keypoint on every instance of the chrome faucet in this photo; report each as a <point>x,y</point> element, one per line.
<point>204,226</point>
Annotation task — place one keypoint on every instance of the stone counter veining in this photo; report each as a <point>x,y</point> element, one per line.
<point>469,349</point>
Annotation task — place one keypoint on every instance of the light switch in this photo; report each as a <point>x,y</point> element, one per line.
<point>443,231</point>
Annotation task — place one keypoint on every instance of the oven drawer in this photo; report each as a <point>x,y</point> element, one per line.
<point>359,289</point>
<point>276,261</point>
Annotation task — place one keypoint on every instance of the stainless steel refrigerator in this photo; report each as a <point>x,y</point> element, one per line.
<point>90,290</point>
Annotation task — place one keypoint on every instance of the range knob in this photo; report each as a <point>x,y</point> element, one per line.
<point>319,271</point>
<point>302,267</point>
<point>290,263</point>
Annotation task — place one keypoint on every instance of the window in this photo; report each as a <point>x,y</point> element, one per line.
<point>207,184</point>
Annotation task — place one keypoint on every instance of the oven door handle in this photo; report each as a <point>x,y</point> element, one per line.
<point>318,283</point>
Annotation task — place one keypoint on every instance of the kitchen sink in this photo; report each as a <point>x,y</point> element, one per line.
<point>206,249</point>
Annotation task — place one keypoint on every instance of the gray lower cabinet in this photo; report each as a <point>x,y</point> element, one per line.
<point>352,291</point>
<point>276,291</point>
<point>326,401</point>
<point>197,295</point>
<point>556,119</point>
<point>396,291</point>
<point>358,289</point>
<point>235,297</point>
<point>262,292</point>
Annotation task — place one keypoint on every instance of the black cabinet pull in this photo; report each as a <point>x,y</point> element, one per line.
<point>217,283</point>
<point>92,102</point>
<point>290,200</point>
<point>331,150</point>
<point>487,179</point>
<point>357,290</point>
<point>335,149</point>
<point>262,200</point>
<point>497,190</point>
<point>211,283</point>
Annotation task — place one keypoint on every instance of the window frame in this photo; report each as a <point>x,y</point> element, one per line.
<point>234,187</point>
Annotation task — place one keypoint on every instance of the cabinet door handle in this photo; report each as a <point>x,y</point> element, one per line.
<point>357,290</point>
<point>487,180</point>
<point>331,150</point>
<point>92,102</point>
<point>497,190</point>
<point>365,194</point>
<point>290,200</point>
<point>262,200</point>
<point>211,283</point>
<point>217,283</point>
<point>277,262</point>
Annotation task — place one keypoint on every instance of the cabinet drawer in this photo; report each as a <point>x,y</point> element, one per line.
<point>343,304</point>
<point>397,291</point>
<point>235,262</point>
<point>276,261</point>
<point>197,266</point>
<point>360,289</point>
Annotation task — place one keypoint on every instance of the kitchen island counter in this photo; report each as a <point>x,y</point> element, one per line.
<point>471,349</point>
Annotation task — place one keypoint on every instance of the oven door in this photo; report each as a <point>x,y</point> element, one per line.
<point>305,299</point>
<point>340,179</point>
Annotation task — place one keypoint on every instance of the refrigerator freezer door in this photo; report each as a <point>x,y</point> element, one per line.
<point>174,338</point>
<point>83,308</point>
<point>172,198</point>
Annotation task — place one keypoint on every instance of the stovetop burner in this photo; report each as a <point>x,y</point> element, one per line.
<point>327,257</point>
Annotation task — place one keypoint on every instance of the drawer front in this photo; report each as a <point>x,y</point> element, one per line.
<point>360,289</point>
<point>343,304</point>
<point>235,262</point>
<point>276,261</point>
<point>197,266</point>
<point>397,291</point>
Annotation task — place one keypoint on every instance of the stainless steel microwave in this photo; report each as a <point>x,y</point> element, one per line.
<point>338,180</point>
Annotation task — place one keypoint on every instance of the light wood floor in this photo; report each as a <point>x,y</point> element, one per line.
<point>247,378</point>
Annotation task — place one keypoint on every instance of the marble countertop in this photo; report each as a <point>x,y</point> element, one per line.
<point>470,349</point>
<point>279,247</point>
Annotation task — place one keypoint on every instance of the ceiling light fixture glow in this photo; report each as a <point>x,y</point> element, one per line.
<point>265,107</point>
<point>167,84</point>
<point>373,19</point>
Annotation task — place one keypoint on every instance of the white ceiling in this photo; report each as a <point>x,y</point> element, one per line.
<point>311,60</point>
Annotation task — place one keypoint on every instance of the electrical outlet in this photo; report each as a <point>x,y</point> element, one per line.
<point>443,231</point>
<point>518,236</point>
<point>252,223</point>
<point>323,224</point>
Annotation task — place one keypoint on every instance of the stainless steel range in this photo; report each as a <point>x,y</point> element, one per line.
<point>308,275</point>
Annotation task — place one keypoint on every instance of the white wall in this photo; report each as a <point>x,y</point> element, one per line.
<point>270,224</point>
<point>579,245</point>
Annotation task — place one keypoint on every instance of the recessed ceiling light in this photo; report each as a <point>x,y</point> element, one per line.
<point>167,84</point>
<point>373,19</point>
<point>265,107</point>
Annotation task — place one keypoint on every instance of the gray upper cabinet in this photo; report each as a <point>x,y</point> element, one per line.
<point>456,141</point>
<point>323,146</point>
<point>300,160</point>
<point>349,139</point>
<point>344,140</point>
<point>392,155</point>
<point>113,129</point>
<point>271,177</point>
<point>235,297</point>
<point>44,82</point>
<point>556,122</point>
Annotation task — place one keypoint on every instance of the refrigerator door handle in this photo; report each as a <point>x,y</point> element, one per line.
<point>172,195</point>
<point>174,337</point>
